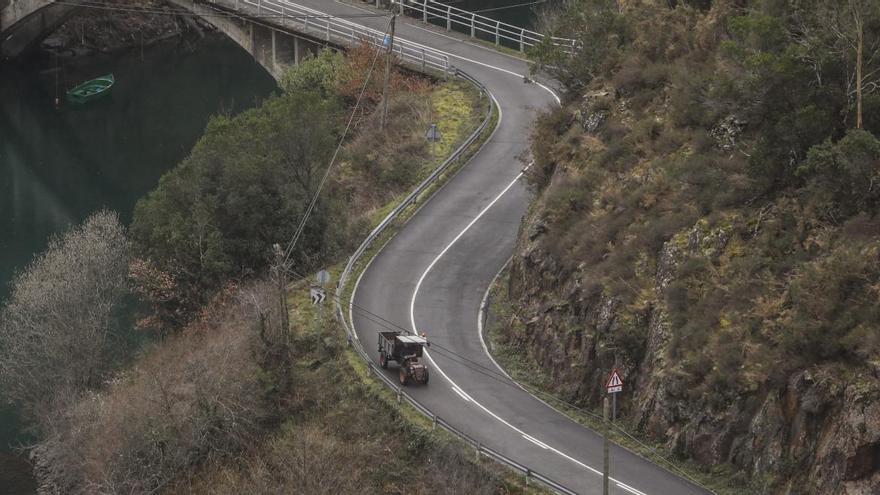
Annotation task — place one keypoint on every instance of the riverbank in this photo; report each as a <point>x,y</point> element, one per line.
<point>106,155</point>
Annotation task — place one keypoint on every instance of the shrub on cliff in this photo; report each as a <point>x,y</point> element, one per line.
<point>60,332</point>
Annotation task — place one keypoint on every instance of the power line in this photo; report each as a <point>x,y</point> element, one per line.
<point>493,9</point>
<point>302,224</point>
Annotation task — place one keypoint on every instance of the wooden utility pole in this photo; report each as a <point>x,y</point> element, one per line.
<point>389,58</point>
<point>605,447</point>
<point>281,281</point>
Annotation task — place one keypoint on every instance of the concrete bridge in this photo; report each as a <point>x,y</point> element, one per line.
<point>25,23</point>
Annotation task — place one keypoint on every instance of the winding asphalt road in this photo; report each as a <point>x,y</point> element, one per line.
<point>434,274</point>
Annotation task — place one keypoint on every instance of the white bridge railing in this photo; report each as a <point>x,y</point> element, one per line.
<point>476,24</point>
<point>340,31</point>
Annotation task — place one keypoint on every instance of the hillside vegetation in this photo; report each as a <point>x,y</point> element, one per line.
<point>236,393</point>
<point>707,221</point>
<point>249,180</point>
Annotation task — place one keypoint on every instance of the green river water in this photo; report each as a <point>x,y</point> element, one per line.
<point>58,165</point>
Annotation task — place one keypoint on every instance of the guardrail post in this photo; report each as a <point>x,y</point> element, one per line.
<point>423,59</point>
<point>259,6</point>
<point>449,18</point>
<point>328,30</point>
<point>479,448</point>
<point>522,41</point>
<point>473,25</point>
<point>497,33</point>
<point>425,11</point>
<point>528,476</point>
<point>236,4</point>
<point>398,395</point>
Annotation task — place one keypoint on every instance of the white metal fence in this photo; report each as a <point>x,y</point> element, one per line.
<point>476,24</point>
<point>344,33</point>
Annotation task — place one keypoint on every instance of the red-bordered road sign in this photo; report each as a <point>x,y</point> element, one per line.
<point>615,383</point>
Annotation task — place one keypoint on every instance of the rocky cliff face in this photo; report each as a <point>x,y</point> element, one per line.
<point>816,430</point>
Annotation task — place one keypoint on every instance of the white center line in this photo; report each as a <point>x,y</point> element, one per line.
<point>462,394</point>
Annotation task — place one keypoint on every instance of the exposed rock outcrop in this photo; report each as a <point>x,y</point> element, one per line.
<point>816,431</point>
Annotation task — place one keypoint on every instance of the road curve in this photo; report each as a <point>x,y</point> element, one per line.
<point>435,272</point>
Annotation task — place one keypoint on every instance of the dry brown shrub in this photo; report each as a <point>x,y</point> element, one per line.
<point>199,395</point>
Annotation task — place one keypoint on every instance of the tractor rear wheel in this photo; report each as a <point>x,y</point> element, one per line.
<point>383,361</point>
<point>426,376</point>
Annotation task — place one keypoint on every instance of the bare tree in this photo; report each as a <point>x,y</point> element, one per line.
<point>199,395</point>
<point>854,28</point>
<point>57,325</point>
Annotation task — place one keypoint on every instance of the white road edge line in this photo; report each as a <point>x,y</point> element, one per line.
<point>412,318</point>
<point>629,488</point>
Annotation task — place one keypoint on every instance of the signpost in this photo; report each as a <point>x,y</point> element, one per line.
<point>613,386</point>
<point>433,135</point>
<point>318,295</point>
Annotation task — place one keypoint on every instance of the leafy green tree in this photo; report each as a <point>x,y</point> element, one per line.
<point>843,178</point>
<point>244,187</point>
<point>316,73</point>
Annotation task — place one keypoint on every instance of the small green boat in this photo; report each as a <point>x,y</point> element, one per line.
<point>91,90</point>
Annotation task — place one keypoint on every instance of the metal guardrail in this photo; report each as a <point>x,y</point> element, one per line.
<point>345,33</point>
<point>375,370</point>
<point>477,24</point>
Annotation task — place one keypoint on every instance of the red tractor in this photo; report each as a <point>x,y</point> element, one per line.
<point>407,350</point>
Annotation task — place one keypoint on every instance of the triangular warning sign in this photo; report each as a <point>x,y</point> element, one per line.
<point>615,383</point>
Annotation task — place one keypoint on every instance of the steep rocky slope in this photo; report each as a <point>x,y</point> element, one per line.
<point>706,221</point>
